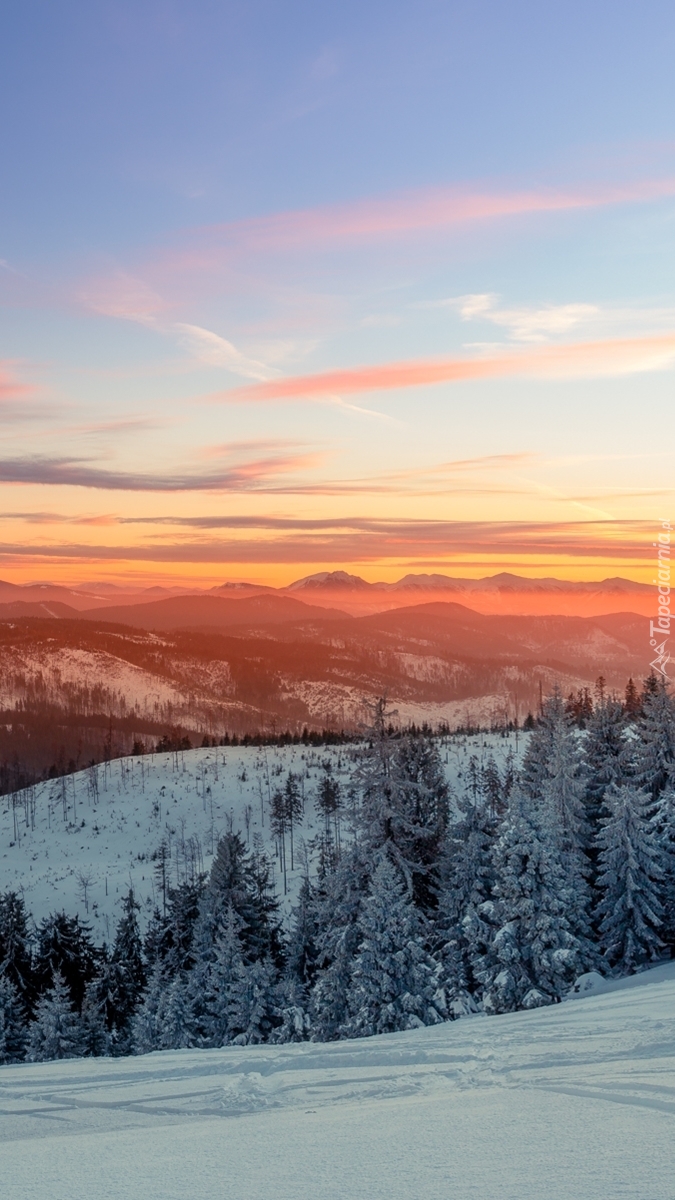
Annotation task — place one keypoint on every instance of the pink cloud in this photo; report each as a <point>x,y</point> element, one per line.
<point>159,283</point>
<point>10,387</point>
<point>577,360</point>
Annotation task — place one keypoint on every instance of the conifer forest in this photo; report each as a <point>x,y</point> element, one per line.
<point>420,903</point>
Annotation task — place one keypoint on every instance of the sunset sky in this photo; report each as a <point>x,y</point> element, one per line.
<point>290,287</point>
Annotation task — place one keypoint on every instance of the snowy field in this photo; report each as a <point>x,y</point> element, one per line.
<point>576,1102</point>
<point>105,829</point>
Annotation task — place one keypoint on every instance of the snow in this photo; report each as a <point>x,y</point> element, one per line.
<point>188,799</point>
<point>575,1102</point>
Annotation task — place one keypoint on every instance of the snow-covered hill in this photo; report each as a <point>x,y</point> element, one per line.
<point>100,828</point>
<point>573,1102</point>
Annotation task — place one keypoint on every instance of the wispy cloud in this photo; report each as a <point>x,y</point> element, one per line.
<point>219,256</point>
<point>373,541</point>
<point>613,357</point>
<point>216,351</point>
<point>253,475</point>
<point>411,213</point>
<point>527,324</point>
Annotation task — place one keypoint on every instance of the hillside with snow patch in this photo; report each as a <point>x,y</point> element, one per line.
<point>102,826</point>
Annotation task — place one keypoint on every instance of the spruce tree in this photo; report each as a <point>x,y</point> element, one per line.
<point>65,946</point>
<point>13,1032</point>
<point>535,954</point>
<point>337,905</point>
<point>663,825</point>
<point>175,1019</point>
<point>96,1040</point>
<point>605,751</point>
<point>467,881</point>
<point>223,982</point>
<point>145,1025</point>
<point>302,952</point>
<point>243,881</point>
<point>404,806</point>
<point>655,759</point>
<point>629,878</point>
<point>395,983</point>
<point>255,1008</point>
<point>56,1031</point>
<point>15,948</point>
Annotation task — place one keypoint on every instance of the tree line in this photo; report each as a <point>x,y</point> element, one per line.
<point>422,906</point>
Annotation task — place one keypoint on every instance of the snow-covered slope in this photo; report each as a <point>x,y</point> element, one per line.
<point>104,826</point>
<point>575,1102</point>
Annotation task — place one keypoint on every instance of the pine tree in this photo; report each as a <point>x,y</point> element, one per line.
<point>15,949</point>
<point>13,1032</point>
<point>605,752</point>
<point>145,1025</point>
<point>128,950</point>
<point>223,982</point>
<point>293,806</point>
<point>404,807</point>
<point>328,804</point>
<point>169,937</point>
<point>302,952</point>
<point>96,1040</point>
<point>467,881</point>
<point>395,984</point>
<point>56,1031</point>
<point>534,955</point>
<point>338,905</point>
<point>243,880</point>
<point>562,816</point>
<point>632,704</point>
<point>663,825</point>
<point>126,975</point>
<point>655,766</point>
<point>256,1012</point>
<point>629,910</point>
<point>64,946</point>
<point>175,1019</point>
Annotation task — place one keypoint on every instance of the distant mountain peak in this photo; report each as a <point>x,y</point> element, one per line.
<point>330,580</point>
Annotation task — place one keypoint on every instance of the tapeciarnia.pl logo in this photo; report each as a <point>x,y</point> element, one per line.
<point>660,628</point>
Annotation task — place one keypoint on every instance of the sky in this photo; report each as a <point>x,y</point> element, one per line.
<point>288,287</point>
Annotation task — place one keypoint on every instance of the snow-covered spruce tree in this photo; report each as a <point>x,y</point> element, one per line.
<point>629,879</point>
<point>301,951</point>
<point>65,947</point>
<point>127,955</point>
<point>145,1024</point>
<point>96,1039</point>
<point>537,756</point>
<point>467,877</point>
<point>559,803</point>
<point>535,954</point>
<point>404,805</point>
<point>663,825</point>
<point>655,754</point>
<point>175,1020</point>
<point>243,880</point>
<point>56,1031</point>
<point>300,969</point>
<point>15,948</point>
<point>338,904</point>
<point>13,1032</point>
<point>255,1014</point>
<point>222,982</point>
<point>605,754</point>
<point>169,935</point>
<point>395,983</point>
<point>562,790</point>
<point>119,984</point>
